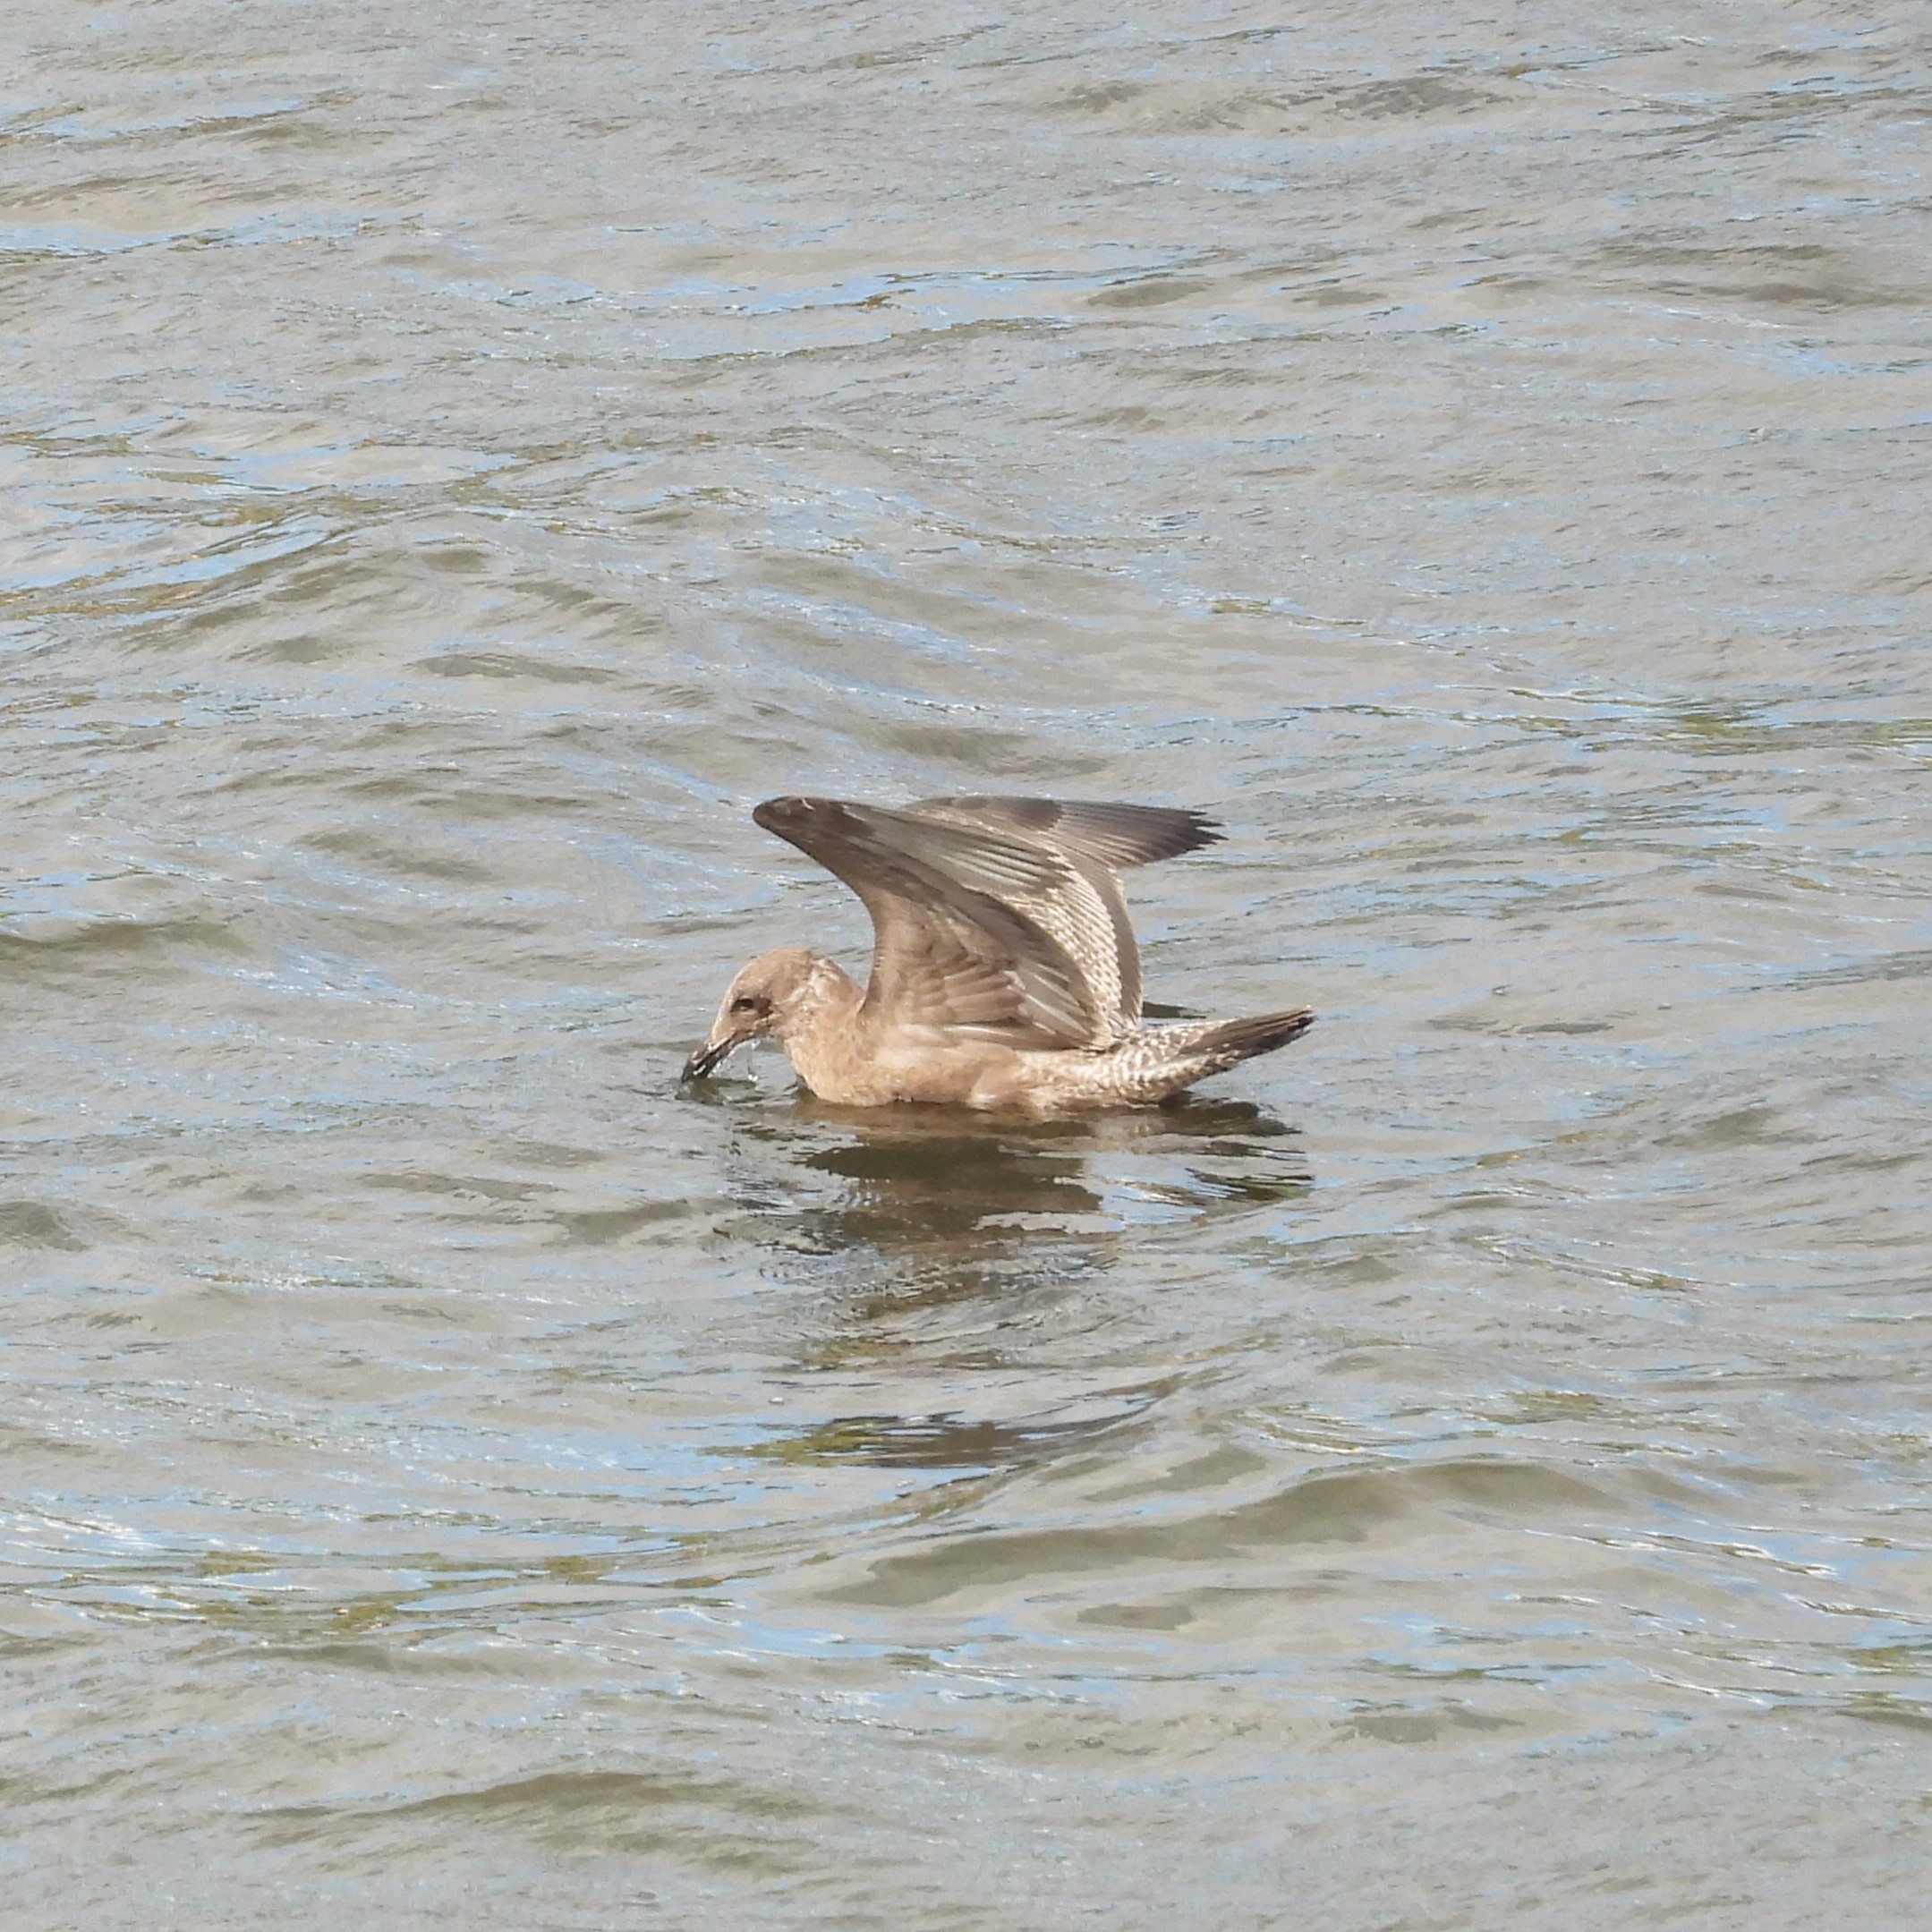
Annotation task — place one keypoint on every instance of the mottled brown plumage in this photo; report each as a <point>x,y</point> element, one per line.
<point>1004,968</point>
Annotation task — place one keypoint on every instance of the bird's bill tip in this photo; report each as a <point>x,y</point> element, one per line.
<point>706,1060</point>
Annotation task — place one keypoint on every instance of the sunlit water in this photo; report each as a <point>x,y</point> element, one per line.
<point>1470,1469</point>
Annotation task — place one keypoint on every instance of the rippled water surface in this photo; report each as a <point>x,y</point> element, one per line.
<point>1468,1470</point>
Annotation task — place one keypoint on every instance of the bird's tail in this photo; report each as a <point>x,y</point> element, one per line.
<point>1233,1039</point>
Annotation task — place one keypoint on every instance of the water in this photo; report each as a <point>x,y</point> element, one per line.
<point>1470,1469</point>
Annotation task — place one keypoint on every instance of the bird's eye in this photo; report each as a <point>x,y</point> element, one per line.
<point>746,1003</point>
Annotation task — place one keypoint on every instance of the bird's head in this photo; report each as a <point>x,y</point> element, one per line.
<point>762,998</point>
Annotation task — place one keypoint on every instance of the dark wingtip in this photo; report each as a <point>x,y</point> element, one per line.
<point>1242,1039</point>
<point>1156,831</point>
<point>1111,831</point>
<point>795,818</point>
<point>775,813</point>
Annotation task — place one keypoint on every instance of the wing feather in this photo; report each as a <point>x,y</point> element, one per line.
<point>1000,915</point>
<point>1098,839</point>
<point>958,938</point>
<point>1116,836</point>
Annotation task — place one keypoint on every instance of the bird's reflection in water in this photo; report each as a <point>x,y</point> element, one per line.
<point>960,1443</point>
<point>926,1205</point>
<point>935,1239</point>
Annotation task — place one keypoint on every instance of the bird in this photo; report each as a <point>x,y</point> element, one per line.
<point>1004,972</point>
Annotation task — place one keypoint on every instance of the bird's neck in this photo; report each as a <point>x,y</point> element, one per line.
<point>827,997</point>
<point>820,1030</point>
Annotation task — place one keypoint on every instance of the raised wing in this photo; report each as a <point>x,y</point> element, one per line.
<point>1097,840</point>
<point>975,926</point>
<point>1115,836</point>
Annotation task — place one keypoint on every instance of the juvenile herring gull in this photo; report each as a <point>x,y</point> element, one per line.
<point>1004,969</point>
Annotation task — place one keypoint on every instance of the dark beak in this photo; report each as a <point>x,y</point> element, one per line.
<point>706,1058</point>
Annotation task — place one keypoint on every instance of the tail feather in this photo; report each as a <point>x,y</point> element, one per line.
<point>1234,1039</point>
